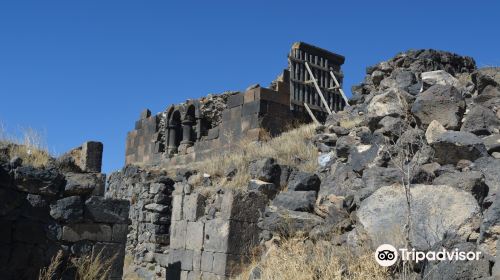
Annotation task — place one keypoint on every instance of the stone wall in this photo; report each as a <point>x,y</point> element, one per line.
<point>213,232</point>
<point>58,207</point>
<point>148,238</point>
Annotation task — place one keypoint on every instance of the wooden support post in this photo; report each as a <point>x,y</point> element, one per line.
<point>311,114</point>
<point>318,89</point>
<point>340,89</point>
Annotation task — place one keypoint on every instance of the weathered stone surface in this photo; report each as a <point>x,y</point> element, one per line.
<point>94,232</point>
<point>155,207</point>
<point>444,104</point>
<point>296,200</point>
<point>489,167</point>
<point>452,146</point>
<point>38,181</point>
<point>269,189</point>
<point>91,159</point>
<point>288,222</point>
<point>476,269</point>
<point>390,103</point>
<point>344,146</point>
<point>438,77</point>
<point>216,235</point>
<point>177,202</point>
<point>434,130</point>
<point>69,209</point>
<point>193,206</point>
<point>377,177</point>
<point>243,206</point>
<point>303,181</point>
<point>365,156</point>
<point>436,211</point>
<point>265,169</point>
<point>194,235</point>
<point>490,229</point>
<point>84,184</point>
<point>470,181</point>
<point>178,230</point>
<point>481,121</point>
<point>492,143</point>
<point>108,251</point>
<point>207,260</point>
<point>104,210</point>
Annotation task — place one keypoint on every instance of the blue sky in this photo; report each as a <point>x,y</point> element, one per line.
<point>83,70</point>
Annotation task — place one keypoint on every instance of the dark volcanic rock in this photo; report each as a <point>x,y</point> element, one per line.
<point>38,181</point>
<point>296,200</point>
<point>443,103</point>
<point>481,121</point>
<point>69,209</point>
<point>303,181</point>
<point>452,146</point>
<point>265,169</point>
<point>106,211</point>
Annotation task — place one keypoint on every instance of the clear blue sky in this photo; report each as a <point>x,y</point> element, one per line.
<point>83,70</point>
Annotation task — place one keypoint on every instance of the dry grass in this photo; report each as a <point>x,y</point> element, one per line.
<point>87,267</point>
<point>291,148</point>
<point>50,272</point>
<point>300,259</point>
<point>29,145</point>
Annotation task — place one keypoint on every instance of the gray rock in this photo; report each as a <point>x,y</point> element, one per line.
<point>377,177</point>
<point>265,169</point>
<point>390,126</point>
<point>269,189</point>
<point>434,130</point>
<point>481,121</point>
<point>365,156</point>
<point>470,181</point>
<point>38,180</point>
<point>287,222</point>
<point>84,184</point>
<point>303,181</point>
<point>390,103</point>
<point>492,143</point>
<point>444,104</point>
<point>458,270</point>
<point>489,167</point>
<point>104,210</point>
<point>69,209</point>
<point>452,146</point>
<point>296,200</point>
<point>436,211</point>
<point>488,235</point>
<point>344,145</point>
<point>438,77</point>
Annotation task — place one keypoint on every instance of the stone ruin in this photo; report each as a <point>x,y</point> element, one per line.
<point>60,207</point>
<point>197,128</point>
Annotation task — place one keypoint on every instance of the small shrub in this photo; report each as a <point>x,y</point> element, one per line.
<point>29,145</point>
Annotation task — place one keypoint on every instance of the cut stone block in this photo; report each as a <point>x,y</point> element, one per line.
<point>243,206</point>
<point>93,232</point>
<point>216,235</point>
<point>194,206</point>
<point>207,260</point>
<point>178,234</point>
<point>194,235</point>
<point>177,207</point>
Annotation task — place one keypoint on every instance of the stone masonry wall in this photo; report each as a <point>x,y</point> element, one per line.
<point>58,207</point>
<point>213,232</point>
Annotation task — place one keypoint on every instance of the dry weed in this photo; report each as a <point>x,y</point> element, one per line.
<point>291,148</point>
<point>299,259</point>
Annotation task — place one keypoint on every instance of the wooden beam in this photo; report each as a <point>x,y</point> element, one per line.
<point>318,89</point>
<point>340,89</point>
<point>311,114</point>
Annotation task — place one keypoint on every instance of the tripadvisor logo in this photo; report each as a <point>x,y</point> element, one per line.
<point>387,255</point>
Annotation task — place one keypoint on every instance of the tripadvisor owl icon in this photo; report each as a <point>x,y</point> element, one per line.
<point>386,255</point>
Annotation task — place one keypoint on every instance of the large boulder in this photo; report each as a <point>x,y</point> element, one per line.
<point>469,181</point>
<point>442,103</point>
<point>452,146</point>
<point>296,200</point>
<point>390,103</point>
<point>434,130</point>
<point>436,211</point>
<point>490,228</point>
<point>492,143</point>
<point>438,77</point>
<point>481,121</point>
